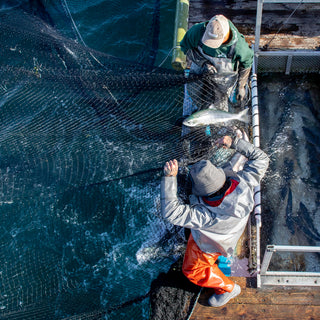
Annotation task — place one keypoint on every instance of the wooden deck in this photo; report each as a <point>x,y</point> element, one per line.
<point>301,31</point>
<point>270,303</point>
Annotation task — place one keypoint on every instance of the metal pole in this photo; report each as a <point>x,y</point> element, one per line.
<point>266,261</point>
<point>256,142</point>
<point>291,1</point>
<point>293,273</point>
<point>258,25</point>
<point>282,248</point>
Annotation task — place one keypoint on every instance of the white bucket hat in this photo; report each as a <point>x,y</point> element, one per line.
<point>216,31</point>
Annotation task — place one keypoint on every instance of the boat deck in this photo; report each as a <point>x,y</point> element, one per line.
<point>300,31</point>
<point>270,303</point>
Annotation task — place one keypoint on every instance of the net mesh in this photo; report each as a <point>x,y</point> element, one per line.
<point>83,138</point>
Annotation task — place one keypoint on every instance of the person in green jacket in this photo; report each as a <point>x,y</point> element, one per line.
<point>217,49</point>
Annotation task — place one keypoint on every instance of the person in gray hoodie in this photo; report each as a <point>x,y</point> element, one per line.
<point>220,205</point>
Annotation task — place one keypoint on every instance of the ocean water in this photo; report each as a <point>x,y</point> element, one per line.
<point>73,241</point>
<point>290,127</point>
<point>81,157</point>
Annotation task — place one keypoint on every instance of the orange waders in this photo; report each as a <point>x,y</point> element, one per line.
<point>200,268</point>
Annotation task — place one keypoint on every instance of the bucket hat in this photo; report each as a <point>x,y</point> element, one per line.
<point>206,178</point>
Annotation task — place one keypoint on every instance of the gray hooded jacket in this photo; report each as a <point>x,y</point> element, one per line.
<point>217,229</point>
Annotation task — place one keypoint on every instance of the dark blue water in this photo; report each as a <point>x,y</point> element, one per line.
<point>290,128</point>
<point>80,157</point>
<point>71,243</point>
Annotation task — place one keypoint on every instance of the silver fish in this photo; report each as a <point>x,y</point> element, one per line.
<point>210,116</point>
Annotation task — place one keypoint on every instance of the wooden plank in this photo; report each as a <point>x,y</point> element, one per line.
<point>261,311</point>
<point>301,31</point>
<point>272,297</point>
<point>285,42</point>
<point>267,303</point>
<point>243,14</point>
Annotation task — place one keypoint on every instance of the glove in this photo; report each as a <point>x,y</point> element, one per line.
<point>242,81</point>
<point>241,93</point>
<point>209,68</point>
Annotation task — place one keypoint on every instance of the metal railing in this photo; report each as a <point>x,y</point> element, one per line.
<point>288,61</point>
<point>285,61</point>
<point>256,143</point>
<point>286,278</point>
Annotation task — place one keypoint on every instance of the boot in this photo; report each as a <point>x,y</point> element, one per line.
<point>218,300</point>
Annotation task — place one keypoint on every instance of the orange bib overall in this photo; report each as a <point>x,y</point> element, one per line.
<point>200,268</point>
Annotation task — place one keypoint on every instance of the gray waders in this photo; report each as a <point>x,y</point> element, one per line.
<point>211,90</point>
<point>217,82</point>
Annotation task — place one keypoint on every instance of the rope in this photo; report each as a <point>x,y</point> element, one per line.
<point>154,35</point>
<point>163,61</point>
<point>194,304</point>
<point>65,5</point>
<point>265,47</point>
<point>100,313</point>
<point>75,28</point>
<point>127,303</point>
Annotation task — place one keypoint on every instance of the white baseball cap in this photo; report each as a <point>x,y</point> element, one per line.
<point>216,31</point>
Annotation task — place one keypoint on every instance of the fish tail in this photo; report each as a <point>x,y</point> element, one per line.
<point>244,115</point>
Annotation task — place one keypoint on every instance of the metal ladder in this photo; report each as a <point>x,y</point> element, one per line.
<point>286,278</point>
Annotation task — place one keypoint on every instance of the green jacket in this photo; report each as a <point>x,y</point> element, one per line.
<point>242,53</point>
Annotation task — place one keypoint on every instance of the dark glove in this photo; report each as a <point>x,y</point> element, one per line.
<point>242,81</point>
<point>241,94</point>
<point>208,68</point>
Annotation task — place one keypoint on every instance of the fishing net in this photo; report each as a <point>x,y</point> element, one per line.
<point>83,139</point>
<point>84,134</point>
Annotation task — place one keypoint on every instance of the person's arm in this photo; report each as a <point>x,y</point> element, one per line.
<point>185,43</point>
<point>258,161</point>
<point>173,208</point>
<point>244,54</point>
<point>242,81</point>
<point>192,37</point>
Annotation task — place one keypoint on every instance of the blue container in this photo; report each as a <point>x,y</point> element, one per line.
<point>224,265</point>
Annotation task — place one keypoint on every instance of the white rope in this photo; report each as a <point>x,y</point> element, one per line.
<point>167,56</point>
